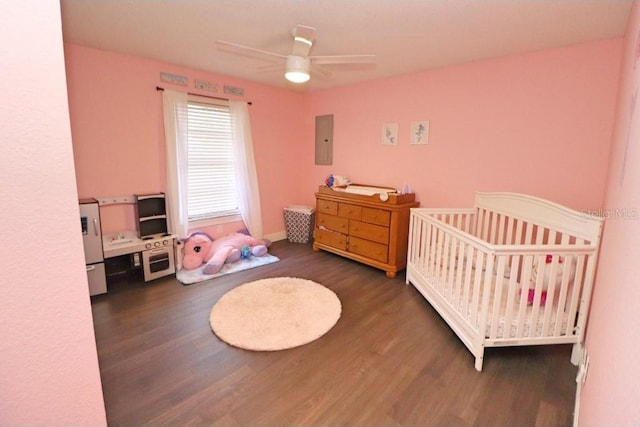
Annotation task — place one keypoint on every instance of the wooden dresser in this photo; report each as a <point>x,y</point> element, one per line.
<point>364,228</point>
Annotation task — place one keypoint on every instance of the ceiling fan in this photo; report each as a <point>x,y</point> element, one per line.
<point>299,64</point>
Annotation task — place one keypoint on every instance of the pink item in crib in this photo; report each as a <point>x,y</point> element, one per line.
<point>543,294</point>
<point>531,295</point>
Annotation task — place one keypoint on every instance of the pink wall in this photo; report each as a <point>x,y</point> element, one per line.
<point>611,392</point>
<point>538,123</point>
<point>48,361</point>
<point>118,136</point>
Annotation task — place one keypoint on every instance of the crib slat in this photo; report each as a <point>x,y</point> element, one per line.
<point>587,288</point>
<point>428,246</point>
<point>527,263</point>
<point>575,294</point>
<point>443,257</point>
<point>439,265</point>
<point>537,286</point>
<point>485,290</point>
<point>485,225</point>
<point>475,290</point>
<point>467,224</point>
<point>451,270</point>
<point>460,221</point>
<point>479,223</point>
<point>565,272</point>
<point>539,235</point>
<point>444,262</point>
<point>425,235</point>
<point>511,296</point>
<point>431,261</point>
<point>528,231</point>
<point>457,287</point>
<point>468,272</point>
<point>494,228</point>
<point>501,226</point>
<point>518,236</point>
<point>510,229</point>
<point>414,239</point>
<point>497,296</point>
<point>553,270</point>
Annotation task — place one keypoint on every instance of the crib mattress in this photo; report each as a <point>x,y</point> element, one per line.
<point>505,329</point>
<point>539,330</point>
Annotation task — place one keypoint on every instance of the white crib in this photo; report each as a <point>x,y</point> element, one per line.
<point>514,270</point>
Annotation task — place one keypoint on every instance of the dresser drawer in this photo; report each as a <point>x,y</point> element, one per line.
<point>376,216</point>
<point>333,222</point>
<point>349,211</point>
<point>367,231</point>
<point>331,238</point>
<point>328,207</point>
<point>368,249</point>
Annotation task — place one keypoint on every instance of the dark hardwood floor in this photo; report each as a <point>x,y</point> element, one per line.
<point>390,359</point>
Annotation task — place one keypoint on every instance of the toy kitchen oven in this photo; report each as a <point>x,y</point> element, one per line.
<point>151,247</point>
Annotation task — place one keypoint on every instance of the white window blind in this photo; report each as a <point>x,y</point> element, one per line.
<point>211,177</point>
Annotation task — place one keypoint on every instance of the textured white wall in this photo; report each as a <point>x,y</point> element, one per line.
<point>48,362</point>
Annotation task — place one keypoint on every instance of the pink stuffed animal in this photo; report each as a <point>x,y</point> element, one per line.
<point>200,248</point>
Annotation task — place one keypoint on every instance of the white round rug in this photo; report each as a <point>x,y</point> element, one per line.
<point>275,314</point>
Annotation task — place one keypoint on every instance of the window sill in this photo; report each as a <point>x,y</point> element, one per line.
<point>215,221</point>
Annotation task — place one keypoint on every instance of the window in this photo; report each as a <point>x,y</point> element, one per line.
<point>211,178</point>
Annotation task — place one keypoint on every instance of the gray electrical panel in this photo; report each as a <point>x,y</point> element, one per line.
<point>324,139</point>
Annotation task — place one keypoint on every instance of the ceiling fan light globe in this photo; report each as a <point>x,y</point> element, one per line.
<point>297,69</point>
<point>296,76</point>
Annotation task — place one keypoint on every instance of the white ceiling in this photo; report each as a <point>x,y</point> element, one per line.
<point>406,35</point>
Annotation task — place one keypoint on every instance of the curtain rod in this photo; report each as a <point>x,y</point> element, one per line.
<point>204,96</point>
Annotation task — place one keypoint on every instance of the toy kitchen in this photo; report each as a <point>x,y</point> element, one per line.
<point>149,249</point>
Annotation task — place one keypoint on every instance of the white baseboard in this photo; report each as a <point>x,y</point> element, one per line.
<point>577,354</point>
<point>274,237</point>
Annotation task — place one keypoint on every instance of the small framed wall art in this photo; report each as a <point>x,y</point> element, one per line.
<point>389,134</point>
<point>420,132</point>
<point>175,79</point>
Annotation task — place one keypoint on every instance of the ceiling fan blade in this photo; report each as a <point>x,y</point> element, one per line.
<point>268,68</point>
<point>248,51</point>
<point>320,72</point>
<point>303,38</point>
<point>343,59</point>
